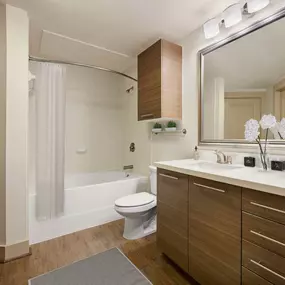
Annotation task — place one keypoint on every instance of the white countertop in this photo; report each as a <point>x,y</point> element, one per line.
<point>247,177</point>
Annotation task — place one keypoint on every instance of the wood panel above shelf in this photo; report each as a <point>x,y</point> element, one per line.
<point>160,82</point>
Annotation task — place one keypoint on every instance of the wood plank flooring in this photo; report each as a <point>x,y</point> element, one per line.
<point>49,255</point>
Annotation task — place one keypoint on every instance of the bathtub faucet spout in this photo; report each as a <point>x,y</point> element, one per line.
<point>128,167</point>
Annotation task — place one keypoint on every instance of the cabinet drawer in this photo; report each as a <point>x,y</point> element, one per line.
<point>216,204</point>
<point>265,205</point>
<point>173,245</point>
<point>223,247</point>
<point>265,233</point>
<point>264,263</point>
<point>250,278</point>
<point>172,189</point>
<point>173,218</point>
<point>209,271</point>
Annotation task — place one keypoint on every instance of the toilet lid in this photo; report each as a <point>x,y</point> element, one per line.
<point>135,200</point>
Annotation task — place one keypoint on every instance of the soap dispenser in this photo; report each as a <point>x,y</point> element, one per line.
<point>196,154</point>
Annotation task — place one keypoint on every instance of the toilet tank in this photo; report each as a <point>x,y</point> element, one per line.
<point>153,180</point>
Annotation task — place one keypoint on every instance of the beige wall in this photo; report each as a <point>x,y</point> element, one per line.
<point>16,77</point>
<point>191,46</point>
<point>94,121</point>
<point>2,124</point>
<point>178,147</point>
<point>134,131</point>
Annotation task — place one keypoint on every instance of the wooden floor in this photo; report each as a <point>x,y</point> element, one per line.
<point>49,255</point>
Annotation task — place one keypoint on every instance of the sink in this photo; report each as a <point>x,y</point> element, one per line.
<point>212,166</point>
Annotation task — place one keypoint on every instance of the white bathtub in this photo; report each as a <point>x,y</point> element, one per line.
<point>89,202</point>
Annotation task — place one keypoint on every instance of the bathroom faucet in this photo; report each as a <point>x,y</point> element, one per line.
<point>222,158</point>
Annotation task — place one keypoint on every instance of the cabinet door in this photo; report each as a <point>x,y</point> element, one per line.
<point>214,232</point>
<point>149,83</point>
<point>172,216</point>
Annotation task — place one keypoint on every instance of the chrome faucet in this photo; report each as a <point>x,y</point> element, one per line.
<point>222,158</point>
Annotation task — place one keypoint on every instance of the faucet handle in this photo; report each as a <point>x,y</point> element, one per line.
<point>229,159</point>
<point>217,153</point>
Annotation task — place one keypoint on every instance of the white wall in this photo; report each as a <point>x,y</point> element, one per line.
<point>191,46</point>
<point>17,124</point>
<point>134,131</point>
<point>178,147</point>
<point>2,124</point>
<point>15,76</point>
<point>94,121</point>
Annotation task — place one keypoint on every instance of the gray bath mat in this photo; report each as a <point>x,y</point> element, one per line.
<point>108,268</point>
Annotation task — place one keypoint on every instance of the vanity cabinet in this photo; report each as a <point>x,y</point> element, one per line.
<point>263,235</point>
<point>214,232</point>
<point>221,234</point>
<point>160,82</point>
<point>172,216</point>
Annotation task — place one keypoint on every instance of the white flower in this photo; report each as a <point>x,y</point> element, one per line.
<point>251,132</point>
<point>251,135</point>
<point>251,125</point>
<point>268,121</point>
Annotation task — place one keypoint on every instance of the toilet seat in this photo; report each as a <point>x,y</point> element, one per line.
<point>135,200</point>
<point>135,203</point>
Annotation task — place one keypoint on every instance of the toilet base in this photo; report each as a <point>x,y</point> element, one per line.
<point>136,228</point>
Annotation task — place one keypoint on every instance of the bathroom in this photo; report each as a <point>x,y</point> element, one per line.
<point>110,166</point>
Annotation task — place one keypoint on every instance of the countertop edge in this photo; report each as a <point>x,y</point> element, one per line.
<point>225,179</point>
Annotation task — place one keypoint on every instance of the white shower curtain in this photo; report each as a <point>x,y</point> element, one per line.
<point>50,139</point>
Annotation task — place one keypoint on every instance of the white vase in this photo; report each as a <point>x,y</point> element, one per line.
<point>170,129</point>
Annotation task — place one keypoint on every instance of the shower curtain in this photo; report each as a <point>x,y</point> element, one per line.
<point>50,139</point>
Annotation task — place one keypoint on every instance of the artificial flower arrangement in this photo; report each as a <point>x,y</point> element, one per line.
<point>267,123</point>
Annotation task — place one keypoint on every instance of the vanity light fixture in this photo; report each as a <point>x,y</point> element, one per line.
<point>212,28</point>
<point>232,15</point>
<point>256,5</point>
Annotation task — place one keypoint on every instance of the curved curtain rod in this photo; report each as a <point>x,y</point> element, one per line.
<point>38,59</point>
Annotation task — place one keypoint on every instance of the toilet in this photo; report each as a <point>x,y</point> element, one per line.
<point>139,211</point>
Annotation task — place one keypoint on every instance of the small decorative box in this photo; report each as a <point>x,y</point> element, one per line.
<point>249,161</point>
<point>278,165</point>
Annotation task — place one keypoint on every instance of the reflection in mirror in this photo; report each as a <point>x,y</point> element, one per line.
<point>244,79</point>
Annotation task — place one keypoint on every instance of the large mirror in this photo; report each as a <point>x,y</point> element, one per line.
<point>243,78</point>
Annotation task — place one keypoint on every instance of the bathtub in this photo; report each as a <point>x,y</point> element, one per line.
<point>89,202</point>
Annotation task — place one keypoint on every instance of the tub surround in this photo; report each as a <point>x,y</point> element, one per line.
<point>272,182</point>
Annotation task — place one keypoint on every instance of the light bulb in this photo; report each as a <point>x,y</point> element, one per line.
<point>232,15</point>
<point>212,28</point>
<point>256,5</point>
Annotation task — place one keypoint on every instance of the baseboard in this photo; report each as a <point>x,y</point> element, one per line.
<point>14,251</point>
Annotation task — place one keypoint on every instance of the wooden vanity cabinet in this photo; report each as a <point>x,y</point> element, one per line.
<point>263,236</point>
<point>160,82</point>
<point>214,232</point>
<point>221,234</point>
<point>172,216</point>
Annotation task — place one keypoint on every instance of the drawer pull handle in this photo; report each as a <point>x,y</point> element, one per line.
<point>168,176</point>
<point>267,269</point>
<point>211,188</point>
<point>266,207</point>
<point>147,115</point>
<point>267,238</point>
